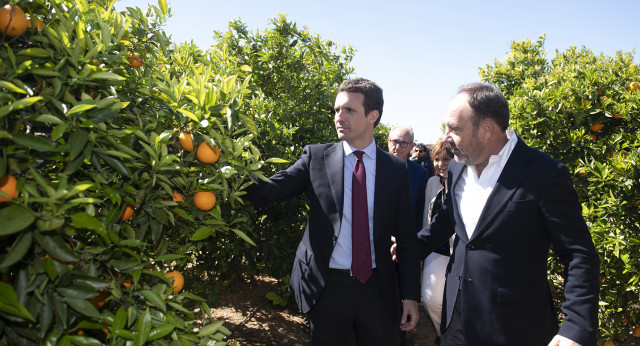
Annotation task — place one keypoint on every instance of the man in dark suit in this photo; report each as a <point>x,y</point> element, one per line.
<point>507,204</point>
<point>400,143</point>
<point>341,294</point>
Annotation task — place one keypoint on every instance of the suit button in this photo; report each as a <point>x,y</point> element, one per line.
<point>470,247</point>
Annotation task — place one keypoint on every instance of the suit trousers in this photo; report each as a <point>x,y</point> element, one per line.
<point>454,334</point>
<point>349,309</point>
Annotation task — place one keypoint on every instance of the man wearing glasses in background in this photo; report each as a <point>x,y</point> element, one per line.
<point>400,145</point>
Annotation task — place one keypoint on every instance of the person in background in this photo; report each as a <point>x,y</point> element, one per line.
<point>422,156</point>
<point>400,143</point>
<point>507,204</point>
<point>435,265</point>
<point>343,276</point>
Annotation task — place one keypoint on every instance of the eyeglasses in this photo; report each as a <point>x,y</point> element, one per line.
<point>402,144</point>
<point>421,151</point>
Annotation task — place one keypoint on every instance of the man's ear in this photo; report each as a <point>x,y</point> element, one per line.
<point>373,116</point>
<point>486,128</point>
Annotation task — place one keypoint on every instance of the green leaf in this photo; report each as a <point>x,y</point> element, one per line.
<point>33,142</point>
<point>276,160</point>
<point>77,140</point>
<point>189,115</point>
<point>144,327</point>
<point>120,320</point>
<point>23,103</point>
<point>11,87</point>
<point>83,340</point>
<point>243,236</point>
<point>160,331</point>
<point>35,52</point>
<point>9,303</point>
<point>19,248</point>
<point>80,108</point>
<point>46,118</point>
<point>168,257</point>
<point>202,233</point>
<point>163,6</point>
<point>46,72</point>
<point>55,246</point>
<point>115,164</point>
<point>84,307</point>
<point>15,218</point>
<point>210,329</point>
<point>155,299</point>
<point>106,75</point>
<point>83,220</point>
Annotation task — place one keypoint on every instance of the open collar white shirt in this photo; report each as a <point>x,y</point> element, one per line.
<point>341,255</point>
<point>472,191</point>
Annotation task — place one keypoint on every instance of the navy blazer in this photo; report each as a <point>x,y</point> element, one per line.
<point>501,271</point>
<point>417,184</point>
<point>319,174</point>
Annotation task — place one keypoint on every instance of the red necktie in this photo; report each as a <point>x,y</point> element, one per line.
<point>360,246</point>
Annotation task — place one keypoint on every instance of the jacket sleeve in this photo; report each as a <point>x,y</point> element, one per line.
<point>572,243</point>
<point>284,184</point>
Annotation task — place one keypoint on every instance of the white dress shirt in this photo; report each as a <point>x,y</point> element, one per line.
<point>472,191</point>
<point>341,255</point>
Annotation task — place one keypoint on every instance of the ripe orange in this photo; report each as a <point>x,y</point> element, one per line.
<point>634,86</point>
<point>39,24</point>
<point>617,116</point>
<point>177,197</point>
<point>608,343</point>
<point>593,137</point>
<point>8,185</point>
<point>204,200</point>
<point>13,21</point>
<point>596,127</point>
<point>128,212</point>
<point>178,280</point>
<point>207,154</point>
<point>186,141</point>
<point>135,60</point>
<point>636,331</point>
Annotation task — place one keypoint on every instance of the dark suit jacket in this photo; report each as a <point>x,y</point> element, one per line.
<point>319,173</point>
<point>501,271</point>
<point>417,184</point>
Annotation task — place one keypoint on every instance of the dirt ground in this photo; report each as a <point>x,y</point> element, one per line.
<point>253,320</point>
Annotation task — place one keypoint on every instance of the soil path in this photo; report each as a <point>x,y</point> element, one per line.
<point>253,320</point>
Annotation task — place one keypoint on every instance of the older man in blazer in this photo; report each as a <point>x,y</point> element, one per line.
<point>507,204</point>
<point>340,296</point>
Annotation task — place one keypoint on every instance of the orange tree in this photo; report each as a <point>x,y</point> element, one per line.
<point>91,105</point>
<point>584,110</point>
<point>293,76</point>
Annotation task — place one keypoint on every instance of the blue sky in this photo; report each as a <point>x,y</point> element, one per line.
<point>420,52</point>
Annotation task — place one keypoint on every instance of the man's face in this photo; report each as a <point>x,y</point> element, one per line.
<point>460,134</point>
<point>400,143</point>
<point>351,123</point>
<point>420,151</point>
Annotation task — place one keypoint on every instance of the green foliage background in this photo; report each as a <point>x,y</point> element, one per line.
<point>554,103</point>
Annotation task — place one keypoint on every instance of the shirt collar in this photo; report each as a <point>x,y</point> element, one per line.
<point>504,154</point>
<point>370,150</point>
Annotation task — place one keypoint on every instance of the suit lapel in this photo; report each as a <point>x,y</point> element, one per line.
<point>334,164</point>
<point>455,173</point>
<point>382,166</point>
<point>514,171</point>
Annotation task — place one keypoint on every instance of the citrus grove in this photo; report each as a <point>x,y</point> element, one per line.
<point>584,110</point>
<point>124,156</point>
<point>123,159</point>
